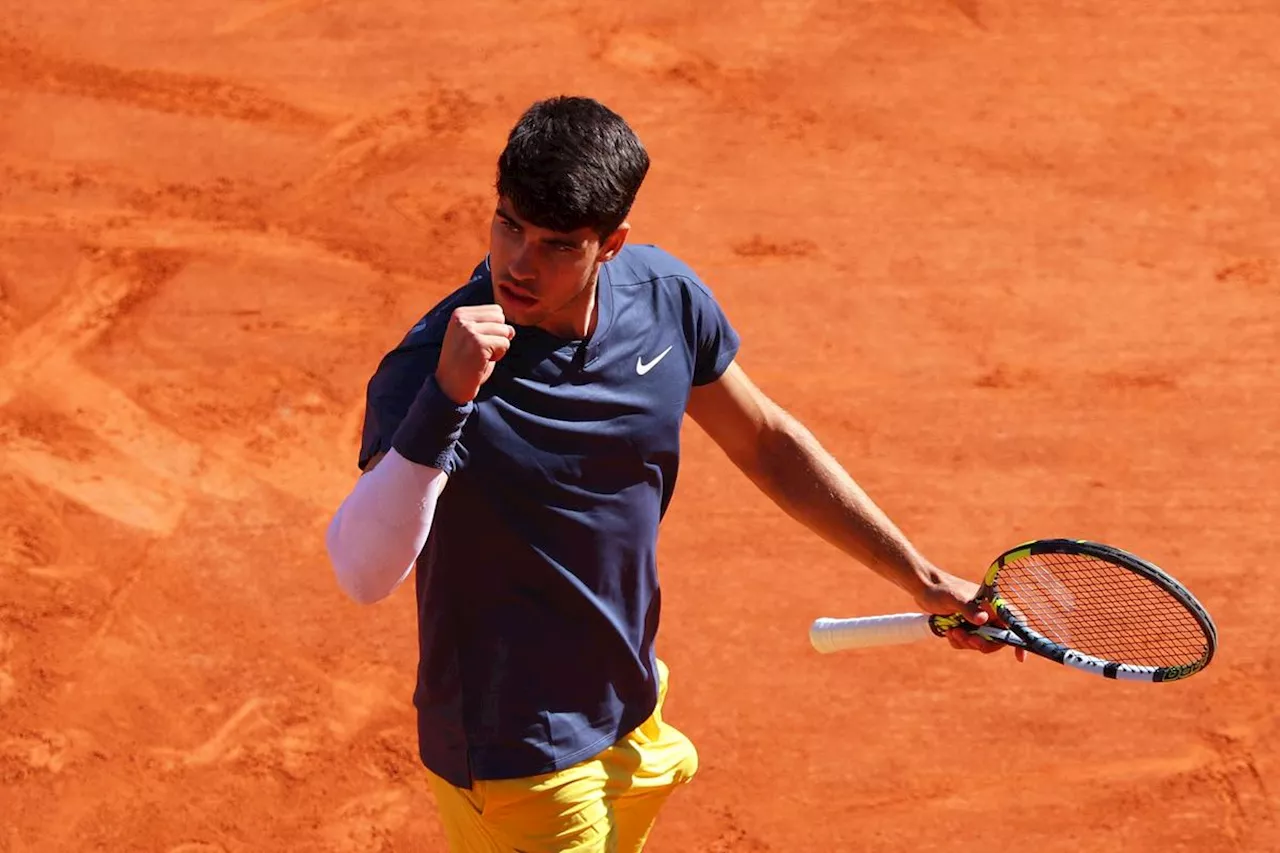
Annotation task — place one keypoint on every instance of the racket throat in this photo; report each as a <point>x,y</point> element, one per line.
<point>1000,635</point>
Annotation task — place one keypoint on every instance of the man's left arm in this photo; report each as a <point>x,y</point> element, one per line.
<point>784,459</point>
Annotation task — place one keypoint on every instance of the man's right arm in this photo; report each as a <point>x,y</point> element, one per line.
<point>377,533</point>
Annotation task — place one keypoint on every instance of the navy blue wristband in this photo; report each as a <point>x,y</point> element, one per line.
<point>431,428</point>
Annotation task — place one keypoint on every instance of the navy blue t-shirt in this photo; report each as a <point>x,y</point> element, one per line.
<point>538,594</point>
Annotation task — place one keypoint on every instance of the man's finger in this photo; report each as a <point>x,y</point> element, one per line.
<point>496,346</point>
<point>480,313</point>
<point>983,645</point>
<point>974,613</point>
<point>494,328</point>
<point>962,639</point>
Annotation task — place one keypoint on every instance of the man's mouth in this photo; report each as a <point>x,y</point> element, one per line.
<point>516,294</point>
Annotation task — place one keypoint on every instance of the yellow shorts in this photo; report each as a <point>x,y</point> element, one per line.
<point>606,804</point>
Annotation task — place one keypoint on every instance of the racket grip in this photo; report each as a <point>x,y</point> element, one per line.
<point>835,635</point>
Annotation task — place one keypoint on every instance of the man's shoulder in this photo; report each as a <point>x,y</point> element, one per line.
<point>647,263</point>
<point>675,280</point>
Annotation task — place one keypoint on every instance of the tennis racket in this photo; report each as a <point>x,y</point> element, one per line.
<point>1083,604</point>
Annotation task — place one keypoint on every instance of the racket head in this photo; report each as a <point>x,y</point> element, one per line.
<point>1100,609</point>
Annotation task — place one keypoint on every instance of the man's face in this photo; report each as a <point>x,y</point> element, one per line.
<point>540,277</point>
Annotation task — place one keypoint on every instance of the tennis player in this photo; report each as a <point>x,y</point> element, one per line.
<point>520,447</point>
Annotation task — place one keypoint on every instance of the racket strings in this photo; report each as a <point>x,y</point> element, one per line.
<point>1102,609</point>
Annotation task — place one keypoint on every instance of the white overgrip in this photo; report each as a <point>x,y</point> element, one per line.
<point>834,635</point>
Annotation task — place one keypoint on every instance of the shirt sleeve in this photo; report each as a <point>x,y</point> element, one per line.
<point>390,393</point>
<point>715,341</point>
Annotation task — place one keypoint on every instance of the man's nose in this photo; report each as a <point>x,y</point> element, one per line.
<point>521,267</point>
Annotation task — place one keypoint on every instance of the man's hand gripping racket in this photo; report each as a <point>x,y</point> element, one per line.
<point>1082,604</point>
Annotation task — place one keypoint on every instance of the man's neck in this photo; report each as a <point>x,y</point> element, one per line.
<point>576,320</point>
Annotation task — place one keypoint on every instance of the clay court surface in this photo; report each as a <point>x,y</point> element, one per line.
<point>1016,264</point>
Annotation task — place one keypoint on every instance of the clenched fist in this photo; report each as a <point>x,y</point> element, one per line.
<point>477,338</point>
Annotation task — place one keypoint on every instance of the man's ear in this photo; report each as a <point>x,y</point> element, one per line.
<point>613,244</point>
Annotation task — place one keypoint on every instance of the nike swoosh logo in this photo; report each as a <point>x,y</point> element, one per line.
<point>643,368</point>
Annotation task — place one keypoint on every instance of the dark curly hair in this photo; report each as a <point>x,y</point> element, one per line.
<point>570,163</point>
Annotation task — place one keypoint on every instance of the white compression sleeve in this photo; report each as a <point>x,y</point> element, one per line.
<point>379,530</point>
